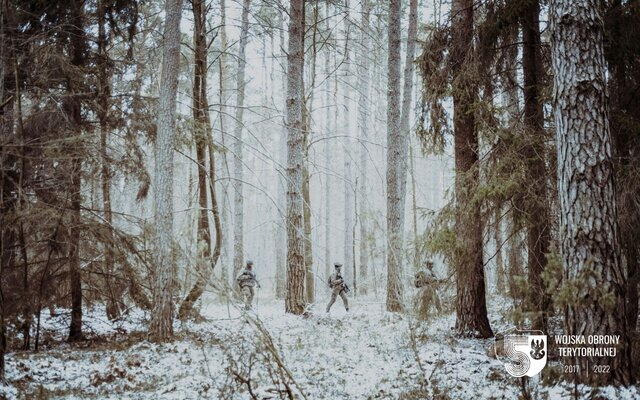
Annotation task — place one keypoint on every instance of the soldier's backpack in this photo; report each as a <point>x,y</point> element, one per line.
<point>423,278</point>
<point>244,279</point>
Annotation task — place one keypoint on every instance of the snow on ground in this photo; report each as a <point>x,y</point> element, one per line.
<point>365,354</point>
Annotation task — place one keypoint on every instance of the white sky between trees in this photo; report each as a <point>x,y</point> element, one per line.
<point>263,121</point>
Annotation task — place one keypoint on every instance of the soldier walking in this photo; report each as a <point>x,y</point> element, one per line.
<point>426,280</point>
<point>247,281</point>
<point>338,287</point>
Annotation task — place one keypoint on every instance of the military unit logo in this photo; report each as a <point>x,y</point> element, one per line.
<point>522,352</point>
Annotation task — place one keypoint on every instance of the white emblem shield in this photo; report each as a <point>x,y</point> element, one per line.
<point>523,352</point>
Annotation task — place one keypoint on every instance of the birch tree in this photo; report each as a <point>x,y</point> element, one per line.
<point>592,293</point>
<point>294,300</point>
<point>395,171</point>
<point>161,326</point>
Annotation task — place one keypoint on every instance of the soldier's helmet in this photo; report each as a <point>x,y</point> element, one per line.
<point>249,263</point>
<point>337,265</point>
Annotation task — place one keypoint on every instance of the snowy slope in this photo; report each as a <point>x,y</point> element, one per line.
<point>366,354</point>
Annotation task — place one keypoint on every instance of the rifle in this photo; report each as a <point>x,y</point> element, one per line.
<point>345,287</point>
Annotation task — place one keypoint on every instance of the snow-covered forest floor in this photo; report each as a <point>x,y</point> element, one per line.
<point>365,354</point>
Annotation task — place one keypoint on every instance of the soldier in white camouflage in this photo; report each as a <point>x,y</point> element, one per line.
<point>247,281</point>
<point>427,282</point>
<point>338,287</point>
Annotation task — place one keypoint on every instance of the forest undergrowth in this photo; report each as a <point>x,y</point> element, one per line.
<point>367,353</point>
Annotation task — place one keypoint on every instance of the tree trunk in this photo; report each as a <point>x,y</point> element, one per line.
<point>26,309</point>
<point>308,255</point>
<point>353,242</point>
<point>405,118</point>
<point>514,242</point>
<point>294,300</point>
<point>395,165</point>
<point>136,291</point>
<point>3,334</point>
<point>222,161</point>
<point>7,182</point>
<point>346,157</point>
<point>328,129</point>
<point>588,214</point>
<point>74,111</point>
<point>622,78</point>
<point>414,206</point>
<point>161,326</point>
<point>632,287</point>
<point>75,327</point>
<point>536,209</point>
<point>306,198</point>
<point>202,135</point>
<point>114,288</point>
<point>363,128</point>
<point>515,260</point>
<point>281,238</point>
<point>307,113</point>
<point>510,82</point>
<point>497,238</point>
<point>330,168</point>
<point>217,250</point>
<point>16,203</point>
<point>3,330</point>
<point>377,270</point>
<point>471,308</point>
<point>238,168</point>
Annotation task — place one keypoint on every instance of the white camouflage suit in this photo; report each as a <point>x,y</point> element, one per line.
<point>247,281</point>
<point>337,285</point>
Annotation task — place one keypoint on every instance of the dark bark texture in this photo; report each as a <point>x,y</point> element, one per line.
<point>161,326</point>
<point>295,296</point>
<point>395,163</point>
<point>593,277</point>
<point>471,308</point>
<point>73,109</point>
<point>534,201</point>
<point>205,263</point>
